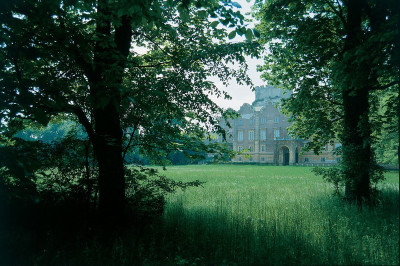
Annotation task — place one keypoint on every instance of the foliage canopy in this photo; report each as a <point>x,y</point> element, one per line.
<point>134,74</point>
<point>339,58</point>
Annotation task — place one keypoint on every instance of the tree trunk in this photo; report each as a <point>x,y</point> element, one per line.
<point>356,146</point>
<point>356,138</point>
<point>110,56</point>
<point>111,170</point>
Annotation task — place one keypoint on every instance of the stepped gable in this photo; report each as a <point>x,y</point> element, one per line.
<point>246,111</point>
<point>269,95</point>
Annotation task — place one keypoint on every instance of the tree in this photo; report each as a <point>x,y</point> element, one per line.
<point>334,55</point>
<point>133,73</point>
<point>386,129</point>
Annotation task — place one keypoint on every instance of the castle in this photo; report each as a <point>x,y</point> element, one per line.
<point>260,134</point>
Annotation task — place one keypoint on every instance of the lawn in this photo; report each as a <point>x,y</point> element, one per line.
<point>274,215</point>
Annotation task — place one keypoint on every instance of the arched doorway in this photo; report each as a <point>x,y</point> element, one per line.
<point>285,155</point>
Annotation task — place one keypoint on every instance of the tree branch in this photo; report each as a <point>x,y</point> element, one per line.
<point>78,111</point>
<point>74,50</point>
<point>153,42</point>
<point>123,35</point>
<point>148,66</point>
<point>340,117</point>
<point>338,13</point>
<point>384,87</point>
<point>132,136</point>
<point>334,102</point>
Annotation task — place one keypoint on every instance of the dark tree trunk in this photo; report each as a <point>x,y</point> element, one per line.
<point>356,146</point>
<point>110,56</point>
<point>356,138</point>
<point>111,171</point>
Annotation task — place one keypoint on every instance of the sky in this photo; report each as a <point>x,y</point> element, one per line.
<point>241,93</point>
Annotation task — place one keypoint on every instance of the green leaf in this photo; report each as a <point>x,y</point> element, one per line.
<point>202,14</point>
<point>214,24</point>
<point>121,12</point>
<point>256,33</point>
<point>232,34</point>
<point>184,13</point>
<point>241,31</point>
<point>249,34</point>
<point>133,10</point>
<point>225,22</point>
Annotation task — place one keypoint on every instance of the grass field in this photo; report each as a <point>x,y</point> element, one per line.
<point>252,215</point>
<point>243,215</point>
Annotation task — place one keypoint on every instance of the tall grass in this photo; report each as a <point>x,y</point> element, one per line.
<point>243,215</point>
<point>251,215</point>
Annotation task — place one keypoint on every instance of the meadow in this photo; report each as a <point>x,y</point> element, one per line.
<point>242,215</point>
<point>271,215</point>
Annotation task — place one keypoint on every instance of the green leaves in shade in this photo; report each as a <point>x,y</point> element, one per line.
<point>249,34</point>
<point>214,24</point>
<point>232,34</point>
<point>256,33</point>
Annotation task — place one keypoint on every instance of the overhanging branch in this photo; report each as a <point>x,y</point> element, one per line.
<point>78,111</point>
<point>384,87</point>
<point>338,13</point>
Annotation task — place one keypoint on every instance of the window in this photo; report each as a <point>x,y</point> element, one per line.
<point>262,147</point>
<point>337,159</point>
<point>306,159</point>
<point>240,148</point>
<point>240,135</point>
<point>251,135</point>
<point>251,148</point>
<point>276,133</point>
<point>322,159</point>
<point>240,158</point>
<point>251,159</point>
<point>338,145</point>
<point>262,159</point>
<point>277,119</point>
<point>240,122</point>
<point>263,120</point>
<point>251,122</point>
<point>263,134</point>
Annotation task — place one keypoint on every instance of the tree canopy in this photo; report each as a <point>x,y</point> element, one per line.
<point>134,74</point>
<point>336,56</point>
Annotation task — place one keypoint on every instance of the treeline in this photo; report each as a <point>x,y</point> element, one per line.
<point>55,132</point>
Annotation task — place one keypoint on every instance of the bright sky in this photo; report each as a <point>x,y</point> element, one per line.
<point>241,93</point>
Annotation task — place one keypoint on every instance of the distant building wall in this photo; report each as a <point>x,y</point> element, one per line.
<point>261,135</point>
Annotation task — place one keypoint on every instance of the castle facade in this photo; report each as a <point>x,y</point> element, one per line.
<point>260,134</point>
